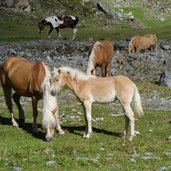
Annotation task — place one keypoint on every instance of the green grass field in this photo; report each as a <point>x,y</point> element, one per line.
<point>104,151</point>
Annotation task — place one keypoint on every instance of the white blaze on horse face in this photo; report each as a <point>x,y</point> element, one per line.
<point>54,21</point>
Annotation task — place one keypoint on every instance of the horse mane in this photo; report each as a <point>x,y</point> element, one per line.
<point>93,51</point>
<point>47,76</point>
<point>75,74</point>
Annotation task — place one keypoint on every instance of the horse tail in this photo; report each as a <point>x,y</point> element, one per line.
<point>137,102</point>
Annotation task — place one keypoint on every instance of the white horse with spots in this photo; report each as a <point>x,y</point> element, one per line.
<point>56,22</point>
<point>90,89</point>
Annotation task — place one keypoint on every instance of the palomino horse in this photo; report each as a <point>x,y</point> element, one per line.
<point>29,79</point>
<point>91,89</point>
<point>101,55</point>
<point>50,119</point>
<point>56,22</point>
<point>142,43</point>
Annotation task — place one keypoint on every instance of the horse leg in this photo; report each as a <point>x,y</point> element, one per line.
<point>58,32</point>
<point>126,128</point>
<point>58,126</point>
<point>7,94</point>
<point>16,98</point>
<point>108,70</point>
<point>129,118</point>
<point>87,108</point>
<point>51,28</point>
<point>35,113</point>
<point>74,33</point>
<point>103,70</point>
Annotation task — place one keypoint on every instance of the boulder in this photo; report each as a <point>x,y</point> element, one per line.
<point>18,4</point>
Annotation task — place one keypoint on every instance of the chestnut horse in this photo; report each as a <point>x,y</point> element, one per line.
<point>91,89</point>
<point>29,79</point>
<point>56,22</point>
<point>142,43</point>
<point>101,54</point>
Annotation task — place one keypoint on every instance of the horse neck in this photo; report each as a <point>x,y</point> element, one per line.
<point>72,84</point>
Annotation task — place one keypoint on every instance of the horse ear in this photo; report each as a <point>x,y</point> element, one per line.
<point>68,73</point>
<point>59,71</point>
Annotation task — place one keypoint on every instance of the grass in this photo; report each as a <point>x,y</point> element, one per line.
<point>104,151</point>
<point>17,26</point>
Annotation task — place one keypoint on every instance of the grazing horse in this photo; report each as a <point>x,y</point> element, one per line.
<point>56,22</point>
<point>29,79</point>
<point>101,54</point>
<point>91,89</point>
<point>142,43</point>
<point>50,119</point>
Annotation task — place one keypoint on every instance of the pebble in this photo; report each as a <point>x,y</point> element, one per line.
<point>51,162</point>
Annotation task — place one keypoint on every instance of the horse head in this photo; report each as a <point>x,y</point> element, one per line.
<point>41,26</point>
<point>58,78</point>
<point>50,108</point>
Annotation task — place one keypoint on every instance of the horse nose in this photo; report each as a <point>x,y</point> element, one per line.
<point>53,92</point>
<point>48,138</point>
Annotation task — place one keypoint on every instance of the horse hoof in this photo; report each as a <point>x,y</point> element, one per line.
<point>86,136</point>
<point>15,125</point>
<point>61,133</point>
<point>130,139</point>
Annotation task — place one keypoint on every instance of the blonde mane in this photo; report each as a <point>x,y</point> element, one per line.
<point>75,74</point>
<point>96,45</point>
<point>47,76</point>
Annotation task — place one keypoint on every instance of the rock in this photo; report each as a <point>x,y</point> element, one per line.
<point>16,168</point>
<point>18,4</point>
<point>51,162</point>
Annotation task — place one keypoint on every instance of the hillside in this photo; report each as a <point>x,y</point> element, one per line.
<point>153,16</point>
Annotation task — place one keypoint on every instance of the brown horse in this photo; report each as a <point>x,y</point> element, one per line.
<point>101,54</point>
<point>142,43</point>
<point>27,79</point>
<point>91,89</point>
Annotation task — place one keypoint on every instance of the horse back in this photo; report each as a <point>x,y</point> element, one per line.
<point>104,52</point>
<point>24,76</point>
<point>124,87</point>
<point>68,21</point>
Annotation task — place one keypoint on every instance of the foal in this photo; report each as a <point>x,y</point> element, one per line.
<point>56,22</point>
<point>101,54</point>
<point>90,89</point>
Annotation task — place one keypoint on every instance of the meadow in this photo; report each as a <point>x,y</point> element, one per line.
<point>104,151</point>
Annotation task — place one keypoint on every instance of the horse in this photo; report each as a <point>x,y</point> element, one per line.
<point>142,43</point>
<point>29,79</point>
<point>50,118</point>
<point>90,89</point>
<point>101,54</point>
<point>56,22</point>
